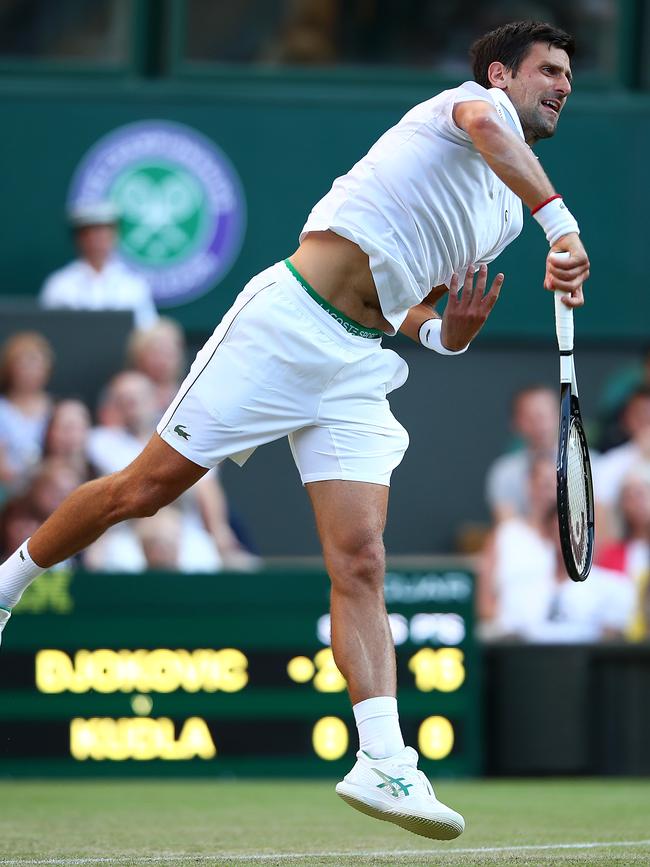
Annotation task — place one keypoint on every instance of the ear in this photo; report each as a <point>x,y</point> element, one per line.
<point>498,75</point>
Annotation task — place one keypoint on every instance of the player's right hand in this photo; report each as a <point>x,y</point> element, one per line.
<point>567,274</point>
<point>467,312</point>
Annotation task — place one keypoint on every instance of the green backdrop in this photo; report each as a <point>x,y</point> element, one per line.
<point>288,137</point>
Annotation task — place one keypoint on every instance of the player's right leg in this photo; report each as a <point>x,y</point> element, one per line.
<point>155,478</point>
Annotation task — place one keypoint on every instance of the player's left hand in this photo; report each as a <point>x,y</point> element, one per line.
<point>468,309</point>
<point>567,273</point>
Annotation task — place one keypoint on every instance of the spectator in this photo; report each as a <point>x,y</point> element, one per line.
<point>160,538</point>
<point>615,465</point>
<point>130,405</point>
<point>207,541</point>
<point>616,393</point>
<point>66,436</point>
<point>18,520</point>
<point>535,414</point>
<point>524,590</point>
<point>25,367</point>
<point>631,554</point>
<point>159,353</point>
<point>97,280</point>
<point>53,481</point>
<point>309,35</point>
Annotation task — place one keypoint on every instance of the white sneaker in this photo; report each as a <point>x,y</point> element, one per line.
<point>5,614</point>
<point>395,791</point>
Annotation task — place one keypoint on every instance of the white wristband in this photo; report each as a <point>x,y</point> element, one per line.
<point>429,335</point>
<point>556,219</point>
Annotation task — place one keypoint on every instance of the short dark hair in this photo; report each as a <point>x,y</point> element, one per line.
<point>511,43</point>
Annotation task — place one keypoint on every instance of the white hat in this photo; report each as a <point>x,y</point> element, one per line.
<point>82,214</point>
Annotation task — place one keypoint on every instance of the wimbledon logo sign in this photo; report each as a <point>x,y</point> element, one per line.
<point>181,204</point>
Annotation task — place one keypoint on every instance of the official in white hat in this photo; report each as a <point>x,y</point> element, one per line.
<point>97,280</point>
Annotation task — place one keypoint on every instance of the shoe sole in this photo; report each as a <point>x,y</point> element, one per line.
<point>435,828</point>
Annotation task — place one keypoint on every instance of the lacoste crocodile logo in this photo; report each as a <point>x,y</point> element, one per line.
<point>180,430</point>
<point>22,556</point>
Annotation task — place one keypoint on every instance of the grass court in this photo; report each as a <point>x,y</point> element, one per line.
<point>269,822</point>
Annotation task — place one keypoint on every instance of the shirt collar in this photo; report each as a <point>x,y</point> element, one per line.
<point>506,110</point>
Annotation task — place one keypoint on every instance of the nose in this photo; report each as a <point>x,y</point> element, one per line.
<point>564,86</point>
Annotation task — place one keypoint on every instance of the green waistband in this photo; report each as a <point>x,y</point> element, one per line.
<point>350,325</point>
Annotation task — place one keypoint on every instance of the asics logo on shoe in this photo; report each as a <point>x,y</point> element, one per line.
<point>394,786</point>
<point>180,430</point>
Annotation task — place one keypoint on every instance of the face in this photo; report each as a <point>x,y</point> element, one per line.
<point>636,417</point>
<point>51,487</point>
<point>536,418</point>
<point>635,504</point>
<point>538,89</point>
<point>29,369</point>
<point>69,428</point>
<point>95,242</point>
<point>161,359</point>
<point>134,399</point>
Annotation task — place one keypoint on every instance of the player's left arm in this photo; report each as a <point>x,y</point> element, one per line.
<point>465,314</point>
<point>515,164</point>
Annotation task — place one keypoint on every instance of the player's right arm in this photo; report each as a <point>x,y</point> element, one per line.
<point>514,163</point>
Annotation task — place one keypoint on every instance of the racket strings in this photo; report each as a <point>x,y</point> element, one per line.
<point>577,499</point>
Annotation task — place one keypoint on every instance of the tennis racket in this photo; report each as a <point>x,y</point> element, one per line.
<point>575,495</point>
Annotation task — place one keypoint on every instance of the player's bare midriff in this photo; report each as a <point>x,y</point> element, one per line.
<point>339,271</point>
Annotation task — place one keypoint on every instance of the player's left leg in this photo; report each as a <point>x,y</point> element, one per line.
<point>385,782</point>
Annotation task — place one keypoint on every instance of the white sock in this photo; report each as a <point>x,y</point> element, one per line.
<point>378,724</point>
<point>16,574</point>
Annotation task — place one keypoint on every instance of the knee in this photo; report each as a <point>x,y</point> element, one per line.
<point>357,562</point>
<point>132,497</point>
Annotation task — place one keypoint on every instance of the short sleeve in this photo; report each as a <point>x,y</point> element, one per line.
<point>470,91</point>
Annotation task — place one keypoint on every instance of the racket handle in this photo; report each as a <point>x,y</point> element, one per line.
<point>563,318</point>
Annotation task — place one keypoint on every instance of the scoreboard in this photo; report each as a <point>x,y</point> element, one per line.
<point>226,673</point>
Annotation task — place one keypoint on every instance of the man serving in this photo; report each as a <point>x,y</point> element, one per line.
<point>299,354</point>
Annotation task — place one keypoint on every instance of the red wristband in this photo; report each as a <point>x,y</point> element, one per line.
<point>545,202</point>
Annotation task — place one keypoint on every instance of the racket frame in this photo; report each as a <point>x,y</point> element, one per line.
<point>570,416</point>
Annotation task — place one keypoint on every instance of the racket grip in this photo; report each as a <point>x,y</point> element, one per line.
<point>563,318</point>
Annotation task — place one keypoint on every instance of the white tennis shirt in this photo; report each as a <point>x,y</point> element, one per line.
<point>78,286</point>
<point>423,204</point>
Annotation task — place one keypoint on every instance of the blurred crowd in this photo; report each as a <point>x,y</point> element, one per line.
<point>524,592</point>
<point>49,446</point>
<point>420,33</point>
<point>417,33</point>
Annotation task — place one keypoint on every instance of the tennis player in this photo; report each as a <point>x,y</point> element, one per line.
<point>299,354</point>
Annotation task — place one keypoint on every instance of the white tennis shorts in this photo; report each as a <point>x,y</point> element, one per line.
<point>279,365</point>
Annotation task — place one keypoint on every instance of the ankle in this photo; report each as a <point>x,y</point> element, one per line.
<point>16,574</point>
<point>377,721</point>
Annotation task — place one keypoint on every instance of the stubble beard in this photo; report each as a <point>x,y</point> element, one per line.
<point>535,126</point>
